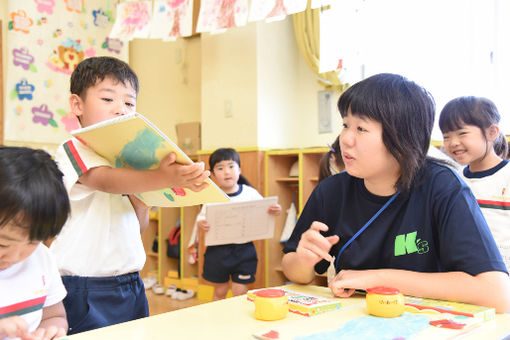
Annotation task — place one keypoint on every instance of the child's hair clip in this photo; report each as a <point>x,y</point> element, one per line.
<point>331,148</point>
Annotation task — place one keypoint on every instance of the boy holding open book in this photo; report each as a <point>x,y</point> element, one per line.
<point>99,251</point>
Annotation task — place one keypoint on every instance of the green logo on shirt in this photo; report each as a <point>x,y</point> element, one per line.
<point>408,244</point>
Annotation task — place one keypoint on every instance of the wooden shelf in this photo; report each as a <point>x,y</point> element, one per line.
<point>288,189</point>
<point>287,179</point>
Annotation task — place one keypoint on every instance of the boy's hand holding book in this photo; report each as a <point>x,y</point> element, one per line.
<point>175,175</point>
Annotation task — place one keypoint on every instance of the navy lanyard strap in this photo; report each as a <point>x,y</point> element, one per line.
<point>392,198</point>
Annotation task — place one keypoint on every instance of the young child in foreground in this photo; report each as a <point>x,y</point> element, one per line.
<point>34,207</point>
<point>230,261</point>
<point>472,137</point>
<point>424,231</point>
<point>99,251</point>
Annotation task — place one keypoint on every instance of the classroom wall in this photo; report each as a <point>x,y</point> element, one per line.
<point>170,81</point>
<point>273,94</point>
<point>229,77</point>
<point>256,70</point>
<point>4,18</point>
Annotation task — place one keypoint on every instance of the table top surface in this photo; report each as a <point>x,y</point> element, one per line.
<point>233,318</point>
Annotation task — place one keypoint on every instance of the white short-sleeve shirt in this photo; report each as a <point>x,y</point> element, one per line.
<point>102,235</point>
<point>29,286</point>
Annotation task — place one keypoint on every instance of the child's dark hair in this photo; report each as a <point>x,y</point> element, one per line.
<point>227,154</point>
<point>32,193</point>
<point>406,112</point>
<point>324,166</point>
<point>477,111</point>
<point>91,70</point>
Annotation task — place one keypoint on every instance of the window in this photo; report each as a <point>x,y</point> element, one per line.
<point>451,47</point>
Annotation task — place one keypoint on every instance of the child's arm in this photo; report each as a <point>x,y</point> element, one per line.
<point>275,210</point>
<point>130,181</point>
<point>491,289</point>
<point>13,327</point>
<point>298,266</point>
<point>53,323</point>
<point>141,211</point>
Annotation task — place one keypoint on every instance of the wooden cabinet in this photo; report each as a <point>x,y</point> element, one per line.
<point>162,221</point>
<point>295,186</point>
<point>179,271</point>
<point>269,173</point>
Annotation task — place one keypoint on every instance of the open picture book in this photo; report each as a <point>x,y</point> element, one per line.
<point>132,141</point>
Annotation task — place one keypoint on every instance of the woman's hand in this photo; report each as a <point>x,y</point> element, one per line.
<point>313,246</point>
<point>346,282</point>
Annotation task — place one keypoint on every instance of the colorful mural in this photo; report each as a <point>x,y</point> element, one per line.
<point>46,39</point>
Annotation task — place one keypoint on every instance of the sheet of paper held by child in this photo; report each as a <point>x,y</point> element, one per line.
<point>239,222</point>
<point>132,141</point>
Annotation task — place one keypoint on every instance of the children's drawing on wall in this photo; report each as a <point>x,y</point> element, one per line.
<point>45,41</point>
<point>221,14</point>
<point>275,9</point>
<point>172,19</point>
<point>132,21</point>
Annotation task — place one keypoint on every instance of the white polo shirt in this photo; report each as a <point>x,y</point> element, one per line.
<point>102,235</point>
<point>29,286</point>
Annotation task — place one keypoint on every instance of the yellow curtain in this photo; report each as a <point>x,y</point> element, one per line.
<point>307,32</point>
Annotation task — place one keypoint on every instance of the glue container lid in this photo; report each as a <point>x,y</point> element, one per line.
<point>382,290</point>
<point>270,293</point>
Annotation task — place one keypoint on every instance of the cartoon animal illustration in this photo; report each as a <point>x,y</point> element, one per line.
<point>70,56</point>
<point>65,58</point>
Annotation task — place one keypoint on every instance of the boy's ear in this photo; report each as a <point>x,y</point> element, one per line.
<point>492,132</point>
<point>76,104</point>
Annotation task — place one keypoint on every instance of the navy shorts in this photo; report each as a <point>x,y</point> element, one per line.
<point>236,261</point>
<point>94,302</point>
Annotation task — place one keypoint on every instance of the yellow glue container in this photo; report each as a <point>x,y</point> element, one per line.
<point>385,302</point>
<point>271,304</point>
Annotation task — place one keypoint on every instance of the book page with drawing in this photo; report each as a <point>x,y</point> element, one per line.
<point>132,141</point>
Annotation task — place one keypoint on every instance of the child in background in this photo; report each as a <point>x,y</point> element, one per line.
<point>394,217</point>
<point>235,261</point>
<point>472,137</point>
<point>99,251</point>
<point>331,162</point>
<point>34,207</point>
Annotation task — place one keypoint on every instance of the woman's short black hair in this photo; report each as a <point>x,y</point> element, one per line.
<point>32,193</point>
<point>406,112</point>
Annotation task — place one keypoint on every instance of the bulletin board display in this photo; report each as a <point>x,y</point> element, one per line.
<point>46,39</point>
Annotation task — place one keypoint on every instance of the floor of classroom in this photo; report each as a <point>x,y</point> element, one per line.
<point>161,303</point>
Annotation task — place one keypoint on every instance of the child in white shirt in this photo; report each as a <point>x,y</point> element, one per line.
<point>34,208</point>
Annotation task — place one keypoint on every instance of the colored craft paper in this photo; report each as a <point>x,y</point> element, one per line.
<point>442,320</point>
<point>172,19</point>
<point>267,9</point>
<point>46,39</point>
<point>132,21</point>
<point>132,141</point>
<point>221,14</point>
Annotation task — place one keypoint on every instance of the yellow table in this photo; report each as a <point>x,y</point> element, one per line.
<point>233,319</point>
